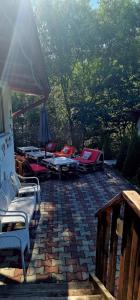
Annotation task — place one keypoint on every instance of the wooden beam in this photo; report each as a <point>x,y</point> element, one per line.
<point>114,201</point>
<point>133,199</point>
<point>99,286</point>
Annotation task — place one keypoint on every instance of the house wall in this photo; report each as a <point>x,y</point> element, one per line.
<point>7,164</point>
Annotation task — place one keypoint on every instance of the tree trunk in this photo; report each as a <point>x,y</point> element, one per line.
<point>64,85</point>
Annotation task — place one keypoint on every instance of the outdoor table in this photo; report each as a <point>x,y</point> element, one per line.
<point>61,165</point>
<point>25,150</point>
<point>38,155</point>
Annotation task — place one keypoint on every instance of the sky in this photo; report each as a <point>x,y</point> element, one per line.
<point>94,2</point>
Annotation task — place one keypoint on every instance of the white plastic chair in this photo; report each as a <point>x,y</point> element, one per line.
<point>15,209</point>
<point>18,239</point>
<point>24,186</point>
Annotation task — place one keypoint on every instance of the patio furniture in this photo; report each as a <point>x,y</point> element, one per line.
<point>16,239</point>
<point>67,151</point>
<point>24,150</point>
<point>15,209</point>
<point>50,147</point>
<point>38,155</point>
<point>61,165</point>
<point>33,169</point>
<point>90,160</point>
<point>25,186</point>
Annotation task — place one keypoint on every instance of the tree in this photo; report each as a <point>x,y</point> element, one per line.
<point>93,63</point>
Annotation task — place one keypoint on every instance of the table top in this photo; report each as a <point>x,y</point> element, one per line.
<point>61,161</point>
<point>39,154</point>
<point>27,149</point>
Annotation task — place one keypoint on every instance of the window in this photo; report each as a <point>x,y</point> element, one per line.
<point>1,113</point>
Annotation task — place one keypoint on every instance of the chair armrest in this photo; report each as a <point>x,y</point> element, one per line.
<point>15,213</point>
<point>32,184</point>
<point>32,187</point>
<point>28,178</point>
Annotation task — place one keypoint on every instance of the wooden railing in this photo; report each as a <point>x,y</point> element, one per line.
<point>118,246</point>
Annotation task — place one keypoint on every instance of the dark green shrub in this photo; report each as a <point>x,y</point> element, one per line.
<point>122,153</point>
<point>132,161</point>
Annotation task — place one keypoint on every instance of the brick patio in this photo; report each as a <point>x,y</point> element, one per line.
<point>63,243</point>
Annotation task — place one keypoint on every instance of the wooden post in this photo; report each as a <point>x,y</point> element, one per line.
<point>135,274</point>
<point>102,244</point>
<point>113,250</point>
<point>125,253</point>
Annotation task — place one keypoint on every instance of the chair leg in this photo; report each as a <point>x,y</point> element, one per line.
<point>23,265</point>
<point>38,197</point>
<point>28,245</point>
<point>39,200</point>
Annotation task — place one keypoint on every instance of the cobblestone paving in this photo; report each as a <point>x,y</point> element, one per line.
<point>63,243</point>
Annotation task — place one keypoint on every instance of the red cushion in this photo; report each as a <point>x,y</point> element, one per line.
<point>59,154</point>
<point>84,161</point>
<point>94,154</point>
<point>51,147</point>
<point>70,150</point>
<point>37,168</point>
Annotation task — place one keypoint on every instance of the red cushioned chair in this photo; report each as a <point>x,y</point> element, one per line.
<point>50,147</point>
<point>67,151</point>
<point>31,169</point>
<point>90,159</point>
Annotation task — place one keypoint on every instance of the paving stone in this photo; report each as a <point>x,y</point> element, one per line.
<point>39,263</point>
<point>90,267</point>
<point>85,275</point>
<point>57,262</point>
<point>84,248</point>
<point>63,269</point>
<point>65,238</point>
<point>60,277</point>
<point>59,250</point>
<point>31,278</point>
<point>74,276</point>
<point>85,261</point>
<point>51,269</point>
<point>87,242</point>
<point>65,255</point>
<point>57,239</point>
<point>31,271</point>
<point>40,270</point>
<point>35,251</point>
<point>49,256</point>
<point>72,261</point>
<point>38,256</point>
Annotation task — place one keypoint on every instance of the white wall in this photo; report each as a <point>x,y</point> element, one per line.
<point>7,164</point>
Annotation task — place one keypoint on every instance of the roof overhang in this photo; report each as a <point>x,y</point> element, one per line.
<point>21,61</point>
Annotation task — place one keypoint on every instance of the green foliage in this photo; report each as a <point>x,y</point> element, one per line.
<point>132,162</point>
<point>25,125</point>
<point>93,63</point>
<point>122,152</point>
